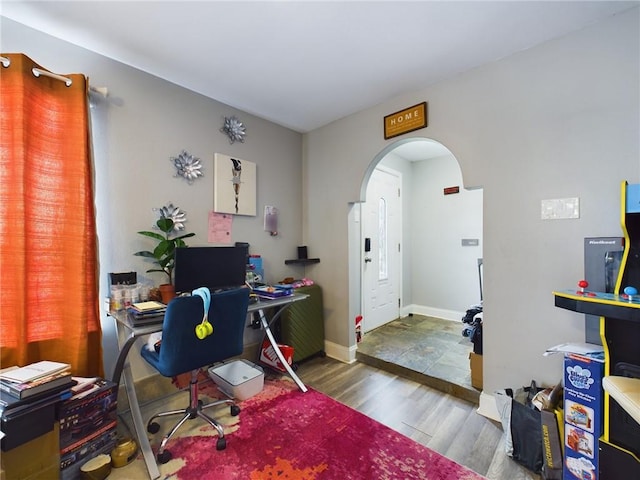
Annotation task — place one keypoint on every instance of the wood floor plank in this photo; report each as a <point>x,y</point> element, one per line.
<point>444,423</point>
<point>489,440</point>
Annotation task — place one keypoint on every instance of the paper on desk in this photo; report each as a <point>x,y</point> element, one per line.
<point>149,305</point>
<point>588,349</point>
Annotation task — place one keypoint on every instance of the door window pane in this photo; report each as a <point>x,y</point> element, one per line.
<point>383,258</point>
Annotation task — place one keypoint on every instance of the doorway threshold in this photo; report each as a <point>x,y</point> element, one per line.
<point>427,350</point>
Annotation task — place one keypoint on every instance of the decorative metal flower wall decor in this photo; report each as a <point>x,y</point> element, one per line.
<point>187,166</point>
<point>174,213</point>
<point>234,129</point>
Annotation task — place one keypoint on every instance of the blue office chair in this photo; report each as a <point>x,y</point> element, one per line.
<point>186,347</point>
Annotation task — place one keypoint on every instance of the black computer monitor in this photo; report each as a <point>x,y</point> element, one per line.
<point>212,267</point>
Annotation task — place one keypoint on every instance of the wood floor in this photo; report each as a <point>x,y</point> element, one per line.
<point>444,423</point>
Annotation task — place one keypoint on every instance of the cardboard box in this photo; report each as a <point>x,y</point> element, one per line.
<point>551,423</point>
<point>475,363</point>
<point>583,405</point>
<point>268,355</point>
<point>36,459</point>
<point>239,379</point>
<point>87,412</point>
<point>71,460</point>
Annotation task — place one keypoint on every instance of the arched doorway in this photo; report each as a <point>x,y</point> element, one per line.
<point>441,249</point>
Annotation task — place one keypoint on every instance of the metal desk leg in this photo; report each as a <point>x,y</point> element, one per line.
<point>123,369</point>
<point>138,424</point>
<point>274,344</point>
<point>122,358</point>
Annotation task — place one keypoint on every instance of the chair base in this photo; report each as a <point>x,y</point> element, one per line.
<point>194,410</point>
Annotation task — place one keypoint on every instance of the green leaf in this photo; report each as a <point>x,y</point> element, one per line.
<point>155,235</point>
<point>186,235</point>
<point>162,249</point>
<point>165,224</point>
<point>145,253</point>
<point>156,270</point>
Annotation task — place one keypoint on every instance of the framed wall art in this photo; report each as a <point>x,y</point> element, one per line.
<point>234,185</point>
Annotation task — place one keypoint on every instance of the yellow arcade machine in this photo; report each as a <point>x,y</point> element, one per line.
<point>619,444</point>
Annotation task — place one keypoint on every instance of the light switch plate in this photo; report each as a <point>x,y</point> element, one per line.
<point>560,208</point>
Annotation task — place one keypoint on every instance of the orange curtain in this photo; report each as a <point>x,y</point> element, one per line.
<point>48,243</point>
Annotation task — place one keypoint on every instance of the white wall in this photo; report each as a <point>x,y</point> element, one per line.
<point>445,273</point>
<point>559,120</point>
<point>137,129</point>
<point>440,277</point>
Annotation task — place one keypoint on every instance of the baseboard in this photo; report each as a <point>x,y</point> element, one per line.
<point>487,407</point>
<point>452,315</point>
<point>340,352</point>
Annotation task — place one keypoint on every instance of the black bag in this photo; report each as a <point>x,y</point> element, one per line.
<point>526,434</point>
<point>521,422</point>
<point>476,338</point>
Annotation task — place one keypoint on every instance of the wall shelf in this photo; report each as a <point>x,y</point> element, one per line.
<point>301,261</point>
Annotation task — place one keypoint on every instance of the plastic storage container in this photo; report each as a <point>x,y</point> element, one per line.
<point>239,379</point>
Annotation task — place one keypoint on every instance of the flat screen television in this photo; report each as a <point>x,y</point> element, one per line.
<point>213,267</point>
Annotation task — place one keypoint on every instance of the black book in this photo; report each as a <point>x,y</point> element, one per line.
<point>10,404</point>
<point>145,318</point>
<point>11,407</point>
<point>23,391</point>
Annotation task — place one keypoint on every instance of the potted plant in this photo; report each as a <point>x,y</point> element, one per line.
<point>164,253</point>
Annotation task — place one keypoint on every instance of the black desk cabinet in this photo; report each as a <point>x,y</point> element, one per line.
<point>302,325</point>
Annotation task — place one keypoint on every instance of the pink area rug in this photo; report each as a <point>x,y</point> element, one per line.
<point>285,434</point>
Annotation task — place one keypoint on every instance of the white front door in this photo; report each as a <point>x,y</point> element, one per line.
<point>381,264</point>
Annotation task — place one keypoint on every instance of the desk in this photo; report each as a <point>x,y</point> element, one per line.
<point>125,324</point>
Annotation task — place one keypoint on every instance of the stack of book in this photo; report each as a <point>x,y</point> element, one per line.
<point>151,311</point>
<point>273,291</point>
<point>38,381</point>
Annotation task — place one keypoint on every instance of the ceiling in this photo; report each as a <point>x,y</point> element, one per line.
<point>304,64</point>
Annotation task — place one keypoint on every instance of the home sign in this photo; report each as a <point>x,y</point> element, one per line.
<point>407,120</point>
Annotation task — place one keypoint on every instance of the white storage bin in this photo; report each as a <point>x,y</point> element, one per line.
<point>239,379</point>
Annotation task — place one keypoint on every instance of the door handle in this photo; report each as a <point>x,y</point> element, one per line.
<point>367,259</point>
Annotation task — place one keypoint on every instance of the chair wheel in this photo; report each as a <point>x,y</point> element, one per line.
<point>221,444</point>
<point>164,457</point>
<point>235,410</point>
<point>153,427</point>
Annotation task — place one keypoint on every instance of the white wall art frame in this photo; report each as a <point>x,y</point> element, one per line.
<point>234,185</point>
